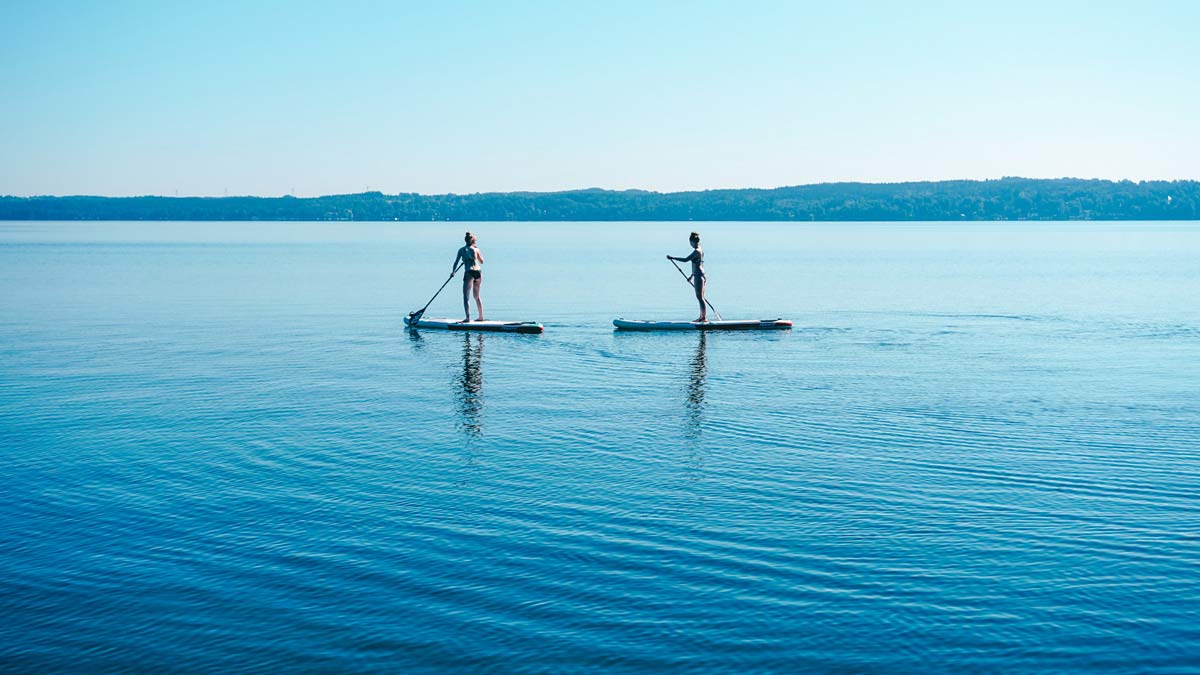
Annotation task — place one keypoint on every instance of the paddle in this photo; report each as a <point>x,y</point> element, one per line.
<point>689,280</point>
<point>414,317</point>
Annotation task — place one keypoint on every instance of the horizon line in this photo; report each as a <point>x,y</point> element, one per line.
<point>601,189</point>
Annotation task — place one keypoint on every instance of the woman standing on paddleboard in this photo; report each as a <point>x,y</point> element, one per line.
<point>697,277</point>
<point>472,260</point>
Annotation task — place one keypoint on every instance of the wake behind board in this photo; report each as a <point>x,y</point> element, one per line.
<point>749,324</point>
<point>494,326</point>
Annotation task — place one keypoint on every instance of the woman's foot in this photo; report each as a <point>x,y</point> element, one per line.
<point>480,319</point>
<point>700,320</point>
<point>466,320</point>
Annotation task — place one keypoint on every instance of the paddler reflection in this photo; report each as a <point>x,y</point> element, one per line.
<point>469,385</point>
<point>697,375</point>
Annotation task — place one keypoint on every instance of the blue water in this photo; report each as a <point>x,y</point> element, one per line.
<point>976,452</point>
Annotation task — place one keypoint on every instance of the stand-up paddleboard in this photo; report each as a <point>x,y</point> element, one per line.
<point>750,324</point>
<point>495,326</point>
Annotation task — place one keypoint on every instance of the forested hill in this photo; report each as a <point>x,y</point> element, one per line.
<point>1004,199</point>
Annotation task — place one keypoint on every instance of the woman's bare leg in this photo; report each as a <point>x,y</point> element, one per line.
<point>478,301</point>
<point>699,283</point>
<point>467,297</point>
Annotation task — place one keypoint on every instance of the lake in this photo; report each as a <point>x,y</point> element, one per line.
<point>976,452</point>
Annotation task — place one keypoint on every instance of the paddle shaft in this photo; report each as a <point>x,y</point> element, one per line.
<point>416,316</point>
<point>687,279</point>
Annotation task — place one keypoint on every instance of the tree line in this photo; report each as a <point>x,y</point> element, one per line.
<point>1002,199</point>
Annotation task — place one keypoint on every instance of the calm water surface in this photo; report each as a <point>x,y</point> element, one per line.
<point>977,451</point>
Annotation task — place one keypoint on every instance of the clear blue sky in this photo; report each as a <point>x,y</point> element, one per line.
<point>127,98</point>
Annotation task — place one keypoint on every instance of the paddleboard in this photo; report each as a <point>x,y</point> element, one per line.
<point>749,324</point>
<point>496,326</point>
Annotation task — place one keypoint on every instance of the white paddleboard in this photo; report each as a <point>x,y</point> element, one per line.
<point>748,324</point>
<point>496,326</point>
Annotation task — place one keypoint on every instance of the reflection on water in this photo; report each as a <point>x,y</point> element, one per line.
<point>469,386</point>
<point>697,374</point>
<point>414,336</point>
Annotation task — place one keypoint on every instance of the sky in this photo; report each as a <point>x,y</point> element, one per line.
<point>309,98</point>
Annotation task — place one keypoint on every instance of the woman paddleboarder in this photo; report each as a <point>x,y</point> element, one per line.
<point>697,277</point>
<point>472,260</point>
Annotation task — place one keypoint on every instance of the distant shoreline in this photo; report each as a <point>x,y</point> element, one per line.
<point>1003,199</point>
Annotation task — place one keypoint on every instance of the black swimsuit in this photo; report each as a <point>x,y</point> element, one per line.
<point>696,257</point>
<point>469,261</point>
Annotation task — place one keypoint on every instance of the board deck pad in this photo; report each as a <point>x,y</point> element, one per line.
<point>746,324</point>
<point>493,326</point>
